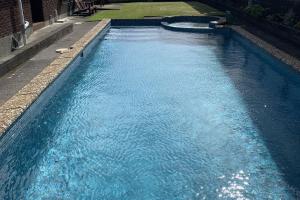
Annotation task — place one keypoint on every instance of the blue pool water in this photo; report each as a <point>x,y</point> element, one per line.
<point>154,114</point>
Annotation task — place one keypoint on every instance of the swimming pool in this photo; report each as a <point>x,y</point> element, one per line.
<point>155,114</point>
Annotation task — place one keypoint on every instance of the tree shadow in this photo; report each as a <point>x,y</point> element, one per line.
<point>204,9</point>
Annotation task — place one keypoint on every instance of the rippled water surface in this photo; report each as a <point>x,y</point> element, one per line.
<point>189,24</point>
<point>153,114</point>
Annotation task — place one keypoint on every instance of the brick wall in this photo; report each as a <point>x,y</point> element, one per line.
<point>9,16</point>
<point>9,13</point>
<point>49,7</point>
<point>10,22</point>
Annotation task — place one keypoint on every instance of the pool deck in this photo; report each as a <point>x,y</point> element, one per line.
<point>16,79</point>
<point>21,87</point>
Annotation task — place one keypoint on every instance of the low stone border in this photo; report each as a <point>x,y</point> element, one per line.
<point>284,57</point>
<point>11,110</point>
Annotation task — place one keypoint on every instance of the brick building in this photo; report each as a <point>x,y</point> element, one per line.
<point>37,12</point>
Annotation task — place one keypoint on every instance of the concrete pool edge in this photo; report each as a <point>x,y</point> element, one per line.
<point>14,108</point>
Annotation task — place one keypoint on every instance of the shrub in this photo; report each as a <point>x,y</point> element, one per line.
<point>278,18</point>
<point>297,26</point>
<point>290,18</point>
<point>290,21</point>
<point>255,10</point>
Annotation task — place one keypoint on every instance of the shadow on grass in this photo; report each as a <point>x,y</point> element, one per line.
<point>204,9</point>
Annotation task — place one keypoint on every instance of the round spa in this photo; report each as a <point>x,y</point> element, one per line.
<point>201,24</point>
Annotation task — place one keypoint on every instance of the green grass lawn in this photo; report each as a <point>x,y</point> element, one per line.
<point>156,9</point>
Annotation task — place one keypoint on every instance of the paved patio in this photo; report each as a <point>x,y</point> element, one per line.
<point>16,79</point>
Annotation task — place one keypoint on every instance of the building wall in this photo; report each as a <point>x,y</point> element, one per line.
<point>9,13</point>
<point>49,7</point>
<point>9,16</point>
<point>10,23</point>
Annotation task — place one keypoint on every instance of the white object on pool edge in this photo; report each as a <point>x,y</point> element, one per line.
<point>62,50</point>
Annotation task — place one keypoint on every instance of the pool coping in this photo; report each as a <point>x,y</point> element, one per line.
<point>13,108</point>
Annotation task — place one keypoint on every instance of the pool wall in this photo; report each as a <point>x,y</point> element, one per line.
<point>264,53</point>
<point>29,101</point>
<point>265,47</point>
<point>136,22</point>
